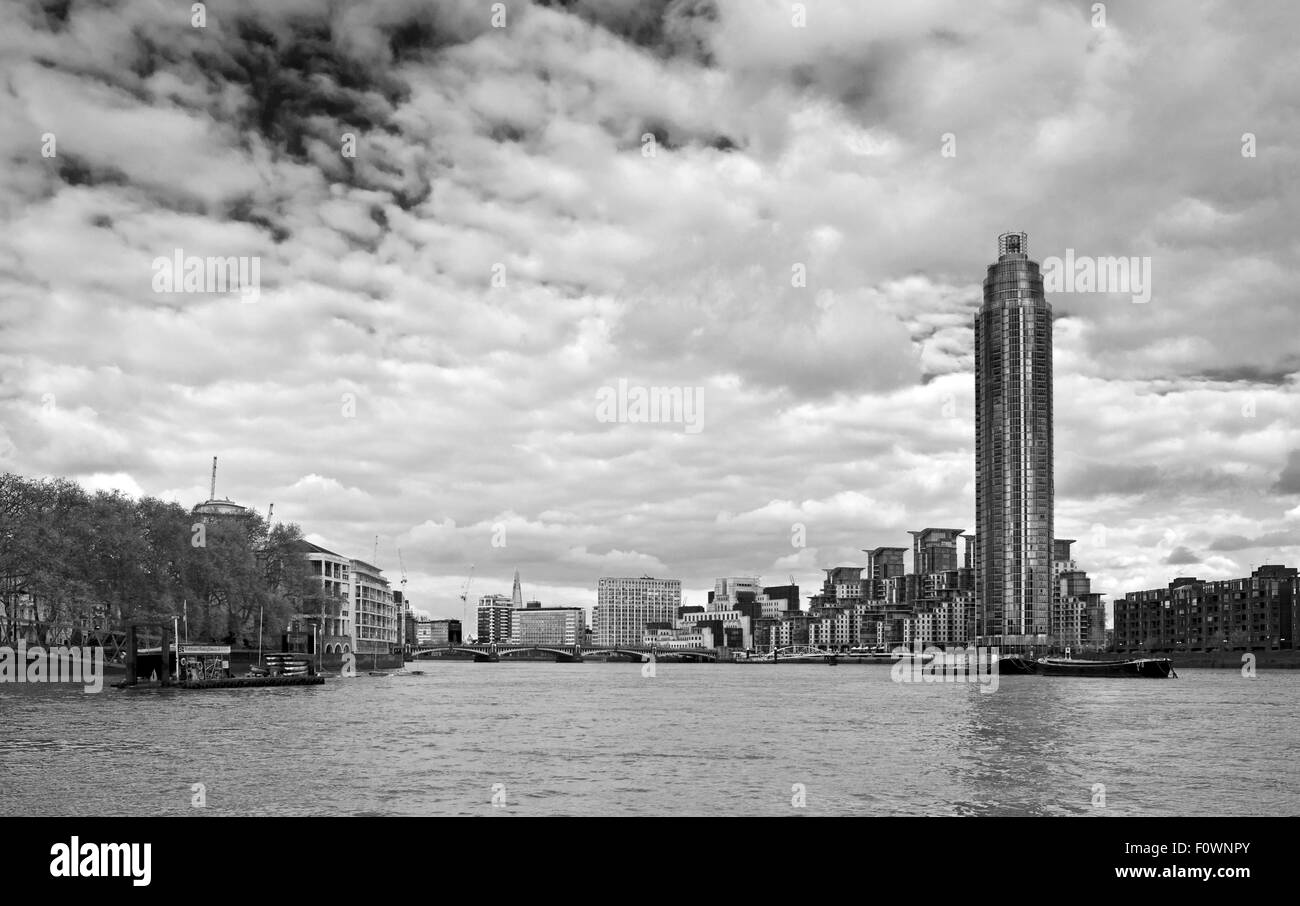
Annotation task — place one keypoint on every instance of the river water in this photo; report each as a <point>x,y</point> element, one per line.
<point>697,739</point>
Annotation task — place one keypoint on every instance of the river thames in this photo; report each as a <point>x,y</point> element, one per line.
<point>696,739</point>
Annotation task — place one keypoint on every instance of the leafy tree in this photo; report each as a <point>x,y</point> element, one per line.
<point>70,559</point>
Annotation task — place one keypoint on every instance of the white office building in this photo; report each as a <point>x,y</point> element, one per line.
<point>624,607</point>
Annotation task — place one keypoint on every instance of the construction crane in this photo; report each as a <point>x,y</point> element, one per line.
<point>403,568</point>
<point>464,600</point>
<point>375,557</point>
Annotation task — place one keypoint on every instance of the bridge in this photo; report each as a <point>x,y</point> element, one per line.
<point>492,652</point>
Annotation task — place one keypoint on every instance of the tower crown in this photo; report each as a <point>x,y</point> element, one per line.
<point>1013,244</point>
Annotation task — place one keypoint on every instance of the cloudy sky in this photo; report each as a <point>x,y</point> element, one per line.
<point>439,313</point>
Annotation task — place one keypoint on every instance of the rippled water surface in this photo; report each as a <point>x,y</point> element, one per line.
<point>693,739</point>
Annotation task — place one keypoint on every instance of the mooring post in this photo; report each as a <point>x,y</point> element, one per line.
<point>131,655</point>
<point>164,672</point>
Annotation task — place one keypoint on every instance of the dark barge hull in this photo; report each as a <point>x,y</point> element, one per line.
<point>1152,668</point>
<point>1015,665</point>
<point>231,682</point>
<point>246,682</point>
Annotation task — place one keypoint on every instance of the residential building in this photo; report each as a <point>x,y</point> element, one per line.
<point>884,562</point>
<point>1193,614</point>
<point>833,627</point>
<point>947,624</point>
<point>403,605</point>
<point>791,629</point>
<point>495,614</point>
<point>934,550</point>
<point>376,618</point>
<point>837,578</point>
<point>1078,616</point>
<point>332,615</point>
<point>1013,451</point>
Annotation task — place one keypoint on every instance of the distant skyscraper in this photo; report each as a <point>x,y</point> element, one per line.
<point>517,596</point>
<point>1013,450</point>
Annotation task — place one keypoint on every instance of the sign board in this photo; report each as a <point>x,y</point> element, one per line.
<point>208,650</point>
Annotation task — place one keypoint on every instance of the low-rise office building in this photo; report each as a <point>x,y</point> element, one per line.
<point>538,625</point>
<point>431,633</point>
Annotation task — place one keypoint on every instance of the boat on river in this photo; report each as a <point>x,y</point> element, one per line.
<point>881,656</point>
<point>1015,665</point>
<point>1150,667</point>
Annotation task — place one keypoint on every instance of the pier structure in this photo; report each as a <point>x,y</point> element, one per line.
<point>148,664</point>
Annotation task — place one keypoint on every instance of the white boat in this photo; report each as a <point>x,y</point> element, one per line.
<point>877,655</point>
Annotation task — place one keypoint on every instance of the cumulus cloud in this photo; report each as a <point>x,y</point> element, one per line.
<point>440,308</point>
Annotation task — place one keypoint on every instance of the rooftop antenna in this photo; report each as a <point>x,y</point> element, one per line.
<point>213,494</point>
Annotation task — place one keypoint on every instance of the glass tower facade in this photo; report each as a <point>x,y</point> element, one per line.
<point>1013,451</point>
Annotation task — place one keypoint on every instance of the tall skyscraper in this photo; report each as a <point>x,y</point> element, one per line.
<point>517,596</point>
<point>1013,451</point>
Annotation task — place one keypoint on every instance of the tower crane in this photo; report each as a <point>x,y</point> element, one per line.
<point>464,600</point>
<point>406,605</point>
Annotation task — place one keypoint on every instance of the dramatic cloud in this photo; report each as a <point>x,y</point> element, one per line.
<point>1181,556</point>
<point>1289,481</point>
<point>464,232</point>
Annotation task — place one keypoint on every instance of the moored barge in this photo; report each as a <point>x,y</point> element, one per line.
<point>1152,668</point>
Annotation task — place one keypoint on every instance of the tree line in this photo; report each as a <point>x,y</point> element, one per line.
<point>76,566</point>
